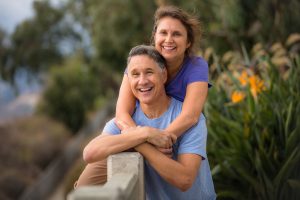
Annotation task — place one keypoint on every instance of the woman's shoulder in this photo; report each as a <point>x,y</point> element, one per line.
<point>196,61</point>
<point>196,69</point>
<point>196,65</point>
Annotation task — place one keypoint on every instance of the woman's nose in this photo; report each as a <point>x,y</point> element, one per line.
<point>169,38</point>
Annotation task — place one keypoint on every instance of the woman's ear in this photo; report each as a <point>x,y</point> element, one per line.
<point>188,44</point>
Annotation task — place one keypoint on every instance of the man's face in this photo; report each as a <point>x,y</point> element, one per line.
<point>146,79</point>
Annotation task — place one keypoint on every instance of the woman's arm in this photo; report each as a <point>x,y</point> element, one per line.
<point>125,104</point>
<point>196,94</point>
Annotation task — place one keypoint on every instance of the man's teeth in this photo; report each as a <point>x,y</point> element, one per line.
<point>145,89</point>
<point>168,48</point>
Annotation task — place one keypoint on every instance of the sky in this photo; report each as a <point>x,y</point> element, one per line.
<point>12,12</point>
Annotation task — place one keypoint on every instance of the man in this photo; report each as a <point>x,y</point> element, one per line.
<point>184,176</point>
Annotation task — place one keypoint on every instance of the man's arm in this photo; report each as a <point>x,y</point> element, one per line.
<point>105,144</point>
<point>181,173</point>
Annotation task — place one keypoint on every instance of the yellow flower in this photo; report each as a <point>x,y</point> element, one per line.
<point>293,39</point>
<point>256,85</point>
<point>244,78</point>
<point>237,96</point>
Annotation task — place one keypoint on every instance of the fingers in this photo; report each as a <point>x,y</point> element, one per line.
<point>161,138</point>
<point>164,142</point>
<point>174,138</point>
<point>170,140</point>
<point>167,151</point>
<point>170,144</point>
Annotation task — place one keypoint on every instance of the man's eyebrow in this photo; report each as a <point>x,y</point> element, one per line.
<point>133,71</point>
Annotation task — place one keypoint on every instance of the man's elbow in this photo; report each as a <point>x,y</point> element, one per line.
<point>91,154</point>
<point>185,183</point>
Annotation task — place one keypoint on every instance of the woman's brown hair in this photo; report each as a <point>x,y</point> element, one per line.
<point>191,24</point>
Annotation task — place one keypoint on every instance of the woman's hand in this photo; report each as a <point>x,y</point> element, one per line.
<point>160,138</point>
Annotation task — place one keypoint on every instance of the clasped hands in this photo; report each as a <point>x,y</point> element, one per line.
<point>161,139</point>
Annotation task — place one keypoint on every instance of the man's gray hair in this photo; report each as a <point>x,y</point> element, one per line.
<point>149,51</point>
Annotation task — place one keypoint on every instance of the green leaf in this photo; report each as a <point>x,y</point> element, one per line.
<point>293,140</point>
<point>287,167</point>
<point>288,119</point>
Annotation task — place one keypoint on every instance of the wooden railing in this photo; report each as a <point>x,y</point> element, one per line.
<point>125,174</point>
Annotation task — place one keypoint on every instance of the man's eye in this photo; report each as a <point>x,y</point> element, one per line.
<point>162,32</point>
<point>149,72</point>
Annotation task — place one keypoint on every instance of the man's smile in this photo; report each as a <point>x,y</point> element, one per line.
<point>148,89</point>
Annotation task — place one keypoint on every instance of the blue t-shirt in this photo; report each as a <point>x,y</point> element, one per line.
<point>194,69</point>
<point>192,141</point>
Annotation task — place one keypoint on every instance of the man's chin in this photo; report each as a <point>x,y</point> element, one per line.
<point>146,101</point>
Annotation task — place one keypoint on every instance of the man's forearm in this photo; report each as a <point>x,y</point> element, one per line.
<point>103,146</point>
<point>181,175</point>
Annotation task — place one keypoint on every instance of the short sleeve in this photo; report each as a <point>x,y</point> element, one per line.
<point>111,128</point>
<point>194,140</point>
<point>197,71</point>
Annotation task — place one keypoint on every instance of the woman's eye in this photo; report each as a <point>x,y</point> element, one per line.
<point>177,34</point>
<point>163,33</point>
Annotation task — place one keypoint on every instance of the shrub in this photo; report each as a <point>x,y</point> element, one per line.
<point>254,125</point>
<point>70,93</point>
<point>30,145</point>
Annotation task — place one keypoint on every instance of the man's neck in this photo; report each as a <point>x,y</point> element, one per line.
<point>157,108</point>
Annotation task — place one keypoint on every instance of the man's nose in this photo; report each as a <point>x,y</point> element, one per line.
<point>143,79</point>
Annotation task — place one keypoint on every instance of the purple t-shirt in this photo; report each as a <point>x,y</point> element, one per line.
<point>194,69</point>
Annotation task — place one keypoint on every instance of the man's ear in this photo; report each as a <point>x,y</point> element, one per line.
<point>165,75</point>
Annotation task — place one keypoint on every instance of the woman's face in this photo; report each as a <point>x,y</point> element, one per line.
<point>171,39</point>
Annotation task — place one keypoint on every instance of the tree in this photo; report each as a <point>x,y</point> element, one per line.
<point>115,27</point>
<point>36,42</point>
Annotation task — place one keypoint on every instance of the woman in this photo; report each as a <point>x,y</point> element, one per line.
<point>176,36</point>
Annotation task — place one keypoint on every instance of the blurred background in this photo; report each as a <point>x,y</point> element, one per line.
<point>61,63</point>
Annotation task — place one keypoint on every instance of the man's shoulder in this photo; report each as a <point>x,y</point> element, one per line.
<point>111,127</point>
<point>176,104</point>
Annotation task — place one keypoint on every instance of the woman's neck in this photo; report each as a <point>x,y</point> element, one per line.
<point>173,68</point>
